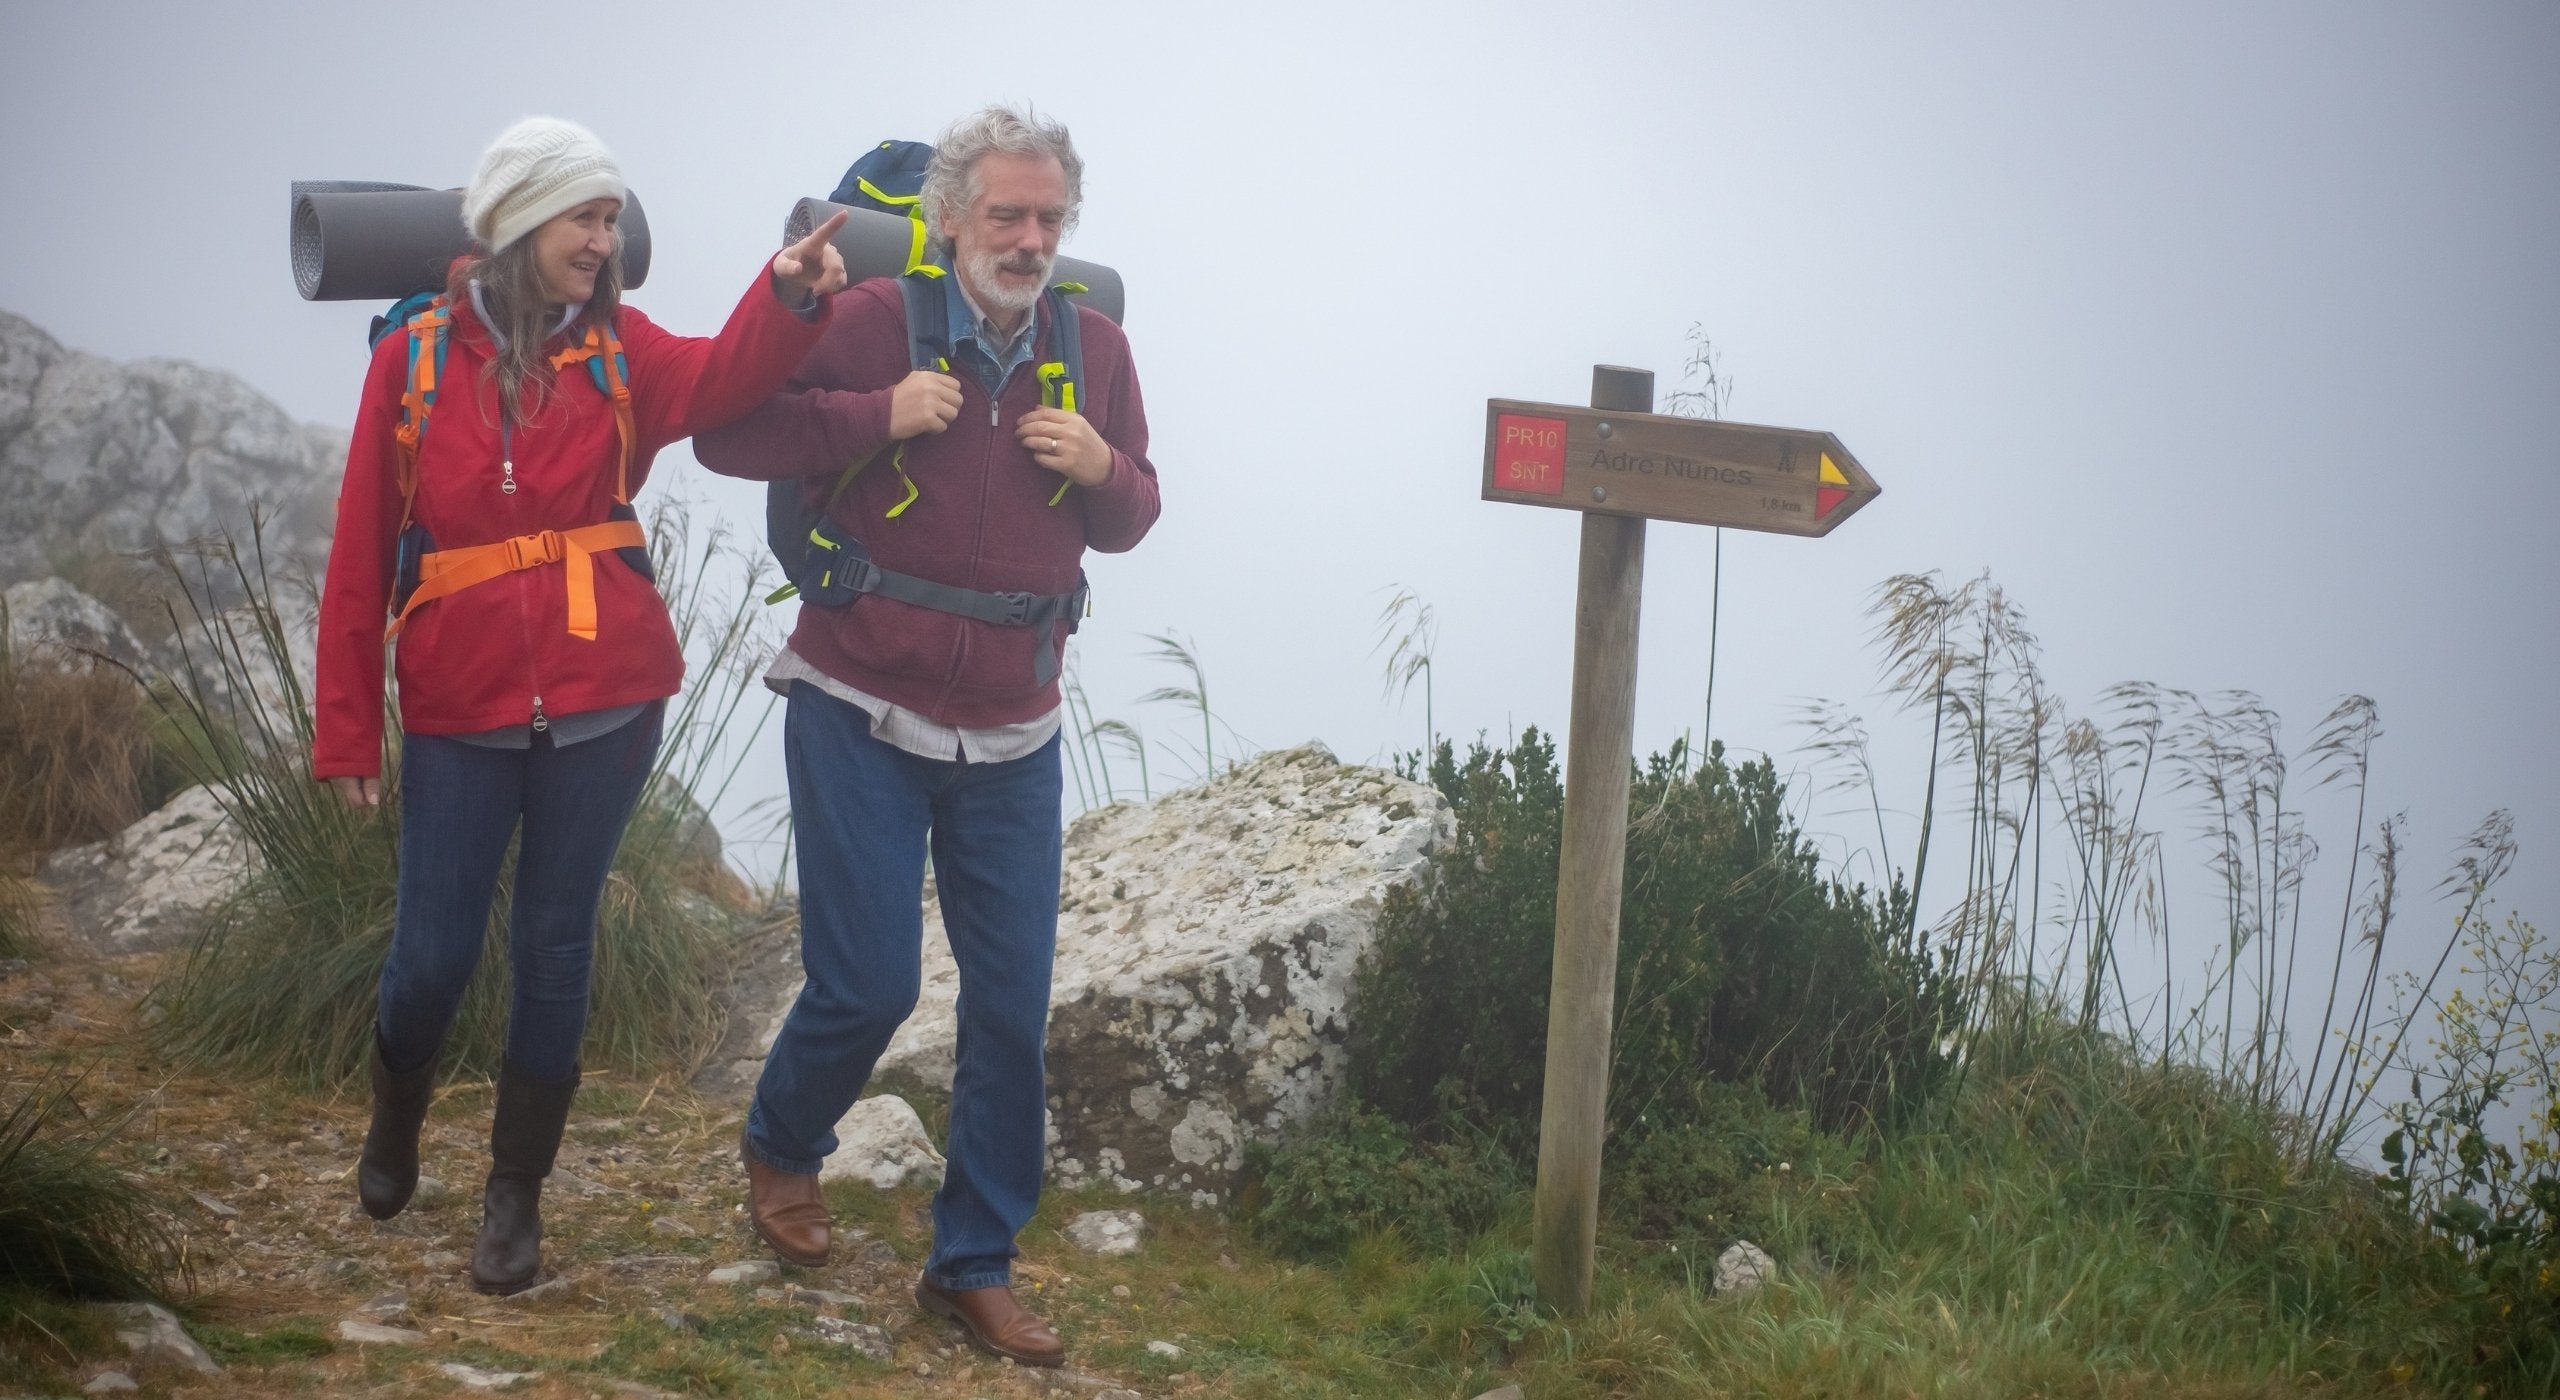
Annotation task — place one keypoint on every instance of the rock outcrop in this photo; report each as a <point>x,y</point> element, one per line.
<point>100,456</point>
<point>150,886</point>
<point>1206,943</point>
<point>51,622</point>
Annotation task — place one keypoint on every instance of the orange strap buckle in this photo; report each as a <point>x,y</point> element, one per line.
<point>449,571</point>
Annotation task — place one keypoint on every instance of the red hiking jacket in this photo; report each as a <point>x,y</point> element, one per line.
<point>478,659</point>
<point>983,520</point>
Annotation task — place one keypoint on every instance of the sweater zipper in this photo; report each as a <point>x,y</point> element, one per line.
<point>524,609</point>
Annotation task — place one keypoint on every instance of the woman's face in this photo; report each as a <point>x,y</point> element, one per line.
<point>570,249</point>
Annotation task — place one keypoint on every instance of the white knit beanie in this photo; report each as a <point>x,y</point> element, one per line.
<point>535,169</point>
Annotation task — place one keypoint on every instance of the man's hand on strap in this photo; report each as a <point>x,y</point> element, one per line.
<point>923,402</point>
<point>358,792</point>
<point>1066,444</point>
<point>811,267</point>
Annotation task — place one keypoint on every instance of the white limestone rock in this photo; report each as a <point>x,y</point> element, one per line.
<point>1107,1231</point>
<point>52,623</point>
<point>881,1141</point>
<point>1743,1267</point>
<point>153,1333</point>
<point>150,886</point>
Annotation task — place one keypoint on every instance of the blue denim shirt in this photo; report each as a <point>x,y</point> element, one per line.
<point>971,337</point>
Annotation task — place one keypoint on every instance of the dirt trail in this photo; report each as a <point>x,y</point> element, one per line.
<point>643,1207</point>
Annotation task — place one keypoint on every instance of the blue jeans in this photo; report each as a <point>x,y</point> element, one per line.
<point>459,804</point>
<point>865,813</point>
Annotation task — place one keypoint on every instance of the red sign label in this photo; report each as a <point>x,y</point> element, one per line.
<point>1528,454</point>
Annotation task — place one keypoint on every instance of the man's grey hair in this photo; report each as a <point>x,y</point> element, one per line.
<point>952,183</point>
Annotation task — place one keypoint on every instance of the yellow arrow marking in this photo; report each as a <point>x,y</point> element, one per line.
<point>1831,473</point>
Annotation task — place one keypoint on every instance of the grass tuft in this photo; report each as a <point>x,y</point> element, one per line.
<point>282,979</point>
<point>72,1224</point>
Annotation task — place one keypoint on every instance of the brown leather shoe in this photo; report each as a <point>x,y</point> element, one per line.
<point>995,1321</point>
<point>787,1210</point>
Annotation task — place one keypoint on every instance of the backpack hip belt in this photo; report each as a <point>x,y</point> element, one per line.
<point>844,572</point>
<point>448,571</point>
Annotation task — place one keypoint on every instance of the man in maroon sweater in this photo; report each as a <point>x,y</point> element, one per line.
<point>912,728</point>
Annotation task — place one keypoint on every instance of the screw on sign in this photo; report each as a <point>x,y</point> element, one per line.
<point>1621,464</point>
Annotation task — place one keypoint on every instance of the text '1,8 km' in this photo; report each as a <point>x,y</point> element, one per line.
<point>1787,480</point>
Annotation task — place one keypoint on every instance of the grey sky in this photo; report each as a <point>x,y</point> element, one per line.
<point>2227,337</point>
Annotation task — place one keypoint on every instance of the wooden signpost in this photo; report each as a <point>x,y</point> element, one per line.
<point>1620,464</point>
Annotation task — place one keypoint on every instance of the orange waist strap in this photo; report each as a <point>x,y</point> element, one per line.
<point>447,571</point>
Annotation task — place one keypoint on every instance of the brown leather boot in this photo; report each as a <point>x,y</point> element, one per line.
<point>996,1321</point>
<point>786,1209</point>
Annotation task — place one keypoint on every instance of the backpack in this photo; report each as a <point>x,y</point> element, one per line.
<point>421,572</point>
<point>828,566</point>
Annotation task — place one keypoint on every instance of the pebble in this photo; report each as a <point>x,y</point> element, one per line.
<point>874,1342</point>
<point>363,1333</point>
<point>669,1225</point>
<point>478,1379</point>
<point>440,1261</point>
<point>431,1191</point>
<point>217,1209</point>
<point>1166,1350</point>
<point>747,1271</point>
<point>1107,1231</point>
<point>109,1383</point>
<point>386,1308</point>
<point>557,1286</point>
<point>678,1320</point>
<point>1120,1291</point>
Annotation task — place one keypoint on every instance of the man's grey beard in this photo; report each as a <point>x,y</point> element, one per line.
<point>985,269</point>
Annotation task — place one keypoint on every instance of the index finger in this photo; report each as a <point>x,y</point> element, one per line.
<point>825,233</point>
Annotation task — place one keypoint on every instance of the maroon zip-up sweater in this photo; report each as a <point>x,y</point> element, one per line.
<point>983,520</point>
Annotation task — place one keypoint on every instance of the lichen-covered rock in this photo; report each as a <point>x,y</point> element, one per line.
<point>149,886</point>
<point>1743,1267</point>
<point>1206,943</point>
<point>52,623</point>
<point>96,456</point>
<point>1107,1231</point>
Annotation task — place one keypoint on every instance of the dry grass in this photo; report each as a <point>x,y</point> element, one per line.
<point>76,750</point>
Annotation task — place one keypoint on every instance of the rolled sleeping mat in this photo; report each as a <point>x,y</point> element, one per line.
<point>362,240</point>
<point>874,244</point>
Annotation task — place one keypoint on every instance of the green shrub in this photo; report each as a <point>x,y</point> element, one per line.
<point>282,978</point>
<point>1724,1175</point>
<point>1738,962</point>
<point>1358,1171</point>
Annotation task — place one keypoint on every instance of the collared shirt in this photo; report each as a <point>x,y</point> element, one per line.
<point>975,346</point>
<point>905,729</point>
<point>975,343</point>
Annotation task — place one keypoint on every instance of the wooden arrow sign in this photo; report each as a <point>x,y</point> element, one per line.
<point>1787,480</point>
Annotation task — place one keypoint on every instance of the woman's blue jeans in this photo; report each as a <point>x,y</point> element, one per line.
<point>459,804</point>
<point>865,814</point>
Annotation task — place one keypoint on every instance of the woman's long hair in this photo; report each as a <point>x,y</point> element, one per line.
<point>511,288</point>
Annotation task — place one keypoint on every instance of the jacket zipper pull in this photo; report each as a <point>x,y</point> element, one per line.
<point>991,416</point>
<point>508,486</point>
<point>540,721</point>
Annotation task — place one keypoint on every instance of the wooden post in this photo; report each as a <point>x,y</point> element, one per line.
<point>1582,995</point>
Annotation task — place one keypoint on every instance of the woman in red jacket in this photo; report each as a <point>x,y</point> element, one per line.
<point>486,512</point>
